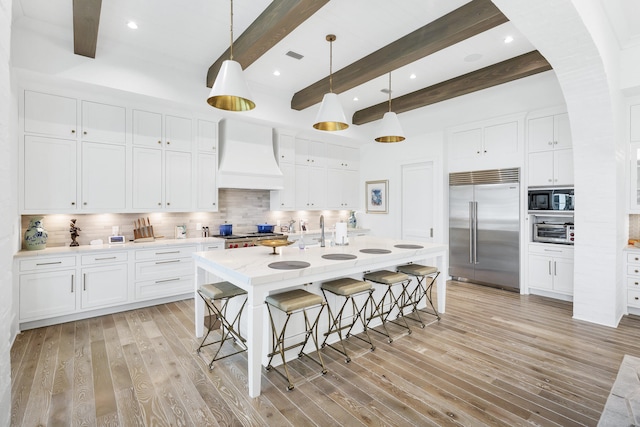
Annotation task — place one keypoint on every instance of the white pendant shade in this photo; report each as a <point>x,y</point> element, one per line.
<point>331,116</point>
<point>230,90</point>
<point>390,129</point>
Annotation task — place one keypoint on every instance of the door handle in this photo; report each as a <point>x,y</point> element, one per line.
<point>475,232</point>
<point>470,232</point>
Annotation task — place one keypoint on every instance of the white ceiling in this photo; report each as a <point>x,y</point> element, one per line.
<point>195,33</point>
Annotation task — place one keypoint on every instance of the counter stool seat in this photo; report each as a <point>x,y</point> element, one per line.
<point>348,288</point>
<point>292,302</point>
<point>423,290</point>
<point>389,279</point>
<point>216,297</point>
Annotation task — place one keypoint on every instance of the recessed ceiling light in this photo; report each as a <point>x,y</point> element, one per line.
<point>355,98</point>
<point>132,25</point>
<point>276,73</point>
<point>412,76</point>
<point>508,39</point>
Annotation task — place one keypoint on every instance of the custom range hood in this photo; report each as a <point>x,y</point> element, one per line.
<point>246,156</point>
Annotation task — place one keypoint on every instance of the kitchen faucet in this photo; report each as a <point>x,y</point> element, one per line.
<point>322,231</point>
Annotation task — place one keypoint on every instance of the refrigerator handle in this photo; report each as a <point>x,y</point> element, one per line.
<point>475,232</point>
<point>471,218</point>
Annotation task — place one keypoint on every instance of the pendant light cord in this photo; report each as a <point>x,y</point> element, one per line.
<point>331,66</point>
<point>231,41</point>
<point>389,91</point>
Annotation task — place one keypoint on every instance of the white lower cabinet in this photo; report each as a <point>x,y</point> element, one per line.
<point>632,272</point>
<point>551,268</point>
<point>106,284</point>
<point>47,287</point>
<point>164,272</point>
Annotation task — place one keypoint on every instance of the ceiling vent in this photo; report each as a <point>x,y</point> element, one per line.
<point>294,55</point>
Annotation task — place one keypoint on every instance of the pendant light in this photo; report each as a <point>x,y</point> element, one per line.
<point>331,116</point>
<point>390,127</point>
<point>230,91</point>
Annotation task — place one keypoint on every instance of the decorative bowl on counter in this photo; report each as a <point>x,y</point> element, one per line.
<point>274,243</point>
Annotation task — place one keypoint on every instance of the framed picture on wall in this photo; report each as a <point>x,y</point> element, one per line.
<point>377,193</point>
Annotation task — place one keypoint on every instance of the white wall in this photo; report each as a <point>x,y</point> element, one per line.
<point>384,161</point>
<point>8,209</point>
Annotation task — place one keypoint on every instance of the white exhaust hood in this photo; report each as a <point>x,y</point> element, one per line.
<point>246,156</point>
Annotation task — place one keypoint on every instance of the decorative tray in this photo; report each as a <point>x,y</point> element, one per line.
<point>274,243</point>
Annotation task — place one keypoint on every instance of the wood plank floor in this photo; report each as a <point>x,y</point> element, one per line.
<point>496,358</point>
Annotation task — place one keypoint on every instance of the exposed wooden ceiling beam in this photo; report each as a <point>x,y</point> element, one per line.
<point>503,72</point>
<point>467,21</point>
<point>279,19</point>
<point>86,19</point>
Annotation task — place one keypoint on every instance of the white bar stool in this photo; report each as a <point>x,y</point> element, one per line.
<point>221,293</point>
<point>349,289</point>
<point>292,302</point>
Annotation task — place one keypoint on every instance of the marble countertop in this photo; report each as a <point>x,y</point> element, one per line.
<point>67,250</point>
<point>253,266</point>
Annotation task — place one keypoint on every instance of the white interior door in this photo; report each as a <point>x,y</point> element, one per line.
<point>418,201</point>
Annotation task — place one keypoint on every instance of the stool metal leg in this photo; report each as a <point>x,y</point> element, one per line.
<point>228,329</point>
<point>311,331</point>
<point>384,315</point>
<point>426,292</point>
<point>335,323</point>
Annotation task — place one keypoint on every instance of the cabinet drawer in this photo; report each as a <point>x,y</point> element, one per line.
<point>633,283</point>
<point>104,258</point>
<point>165,253</point>
<point>163,287</point>
<point>633,270</point>
<point>633,298</point>
<point>43,264</point>
<point>556,251</point>
<point>164,269</point>
<point>633,257</point>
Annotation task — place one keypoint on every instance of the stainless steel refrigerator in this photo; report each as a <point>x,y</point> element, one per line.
<point>484,227</point>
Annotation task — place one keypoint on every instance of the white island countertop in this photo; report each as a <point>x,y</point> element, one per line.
<point>249,269</point>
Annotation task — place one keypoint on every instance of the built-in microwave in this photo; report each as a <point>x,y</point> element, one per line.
<point>551,199</point>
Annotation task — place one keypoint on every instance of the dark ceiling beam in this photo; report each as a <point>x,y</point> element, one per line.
<point>279,19</point>
<point>467,21</point>
<point>86,19</point>
<point>503,72</point>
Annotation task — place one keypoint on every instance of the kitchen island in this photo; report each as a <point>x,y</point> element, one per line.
<point>249,269</point>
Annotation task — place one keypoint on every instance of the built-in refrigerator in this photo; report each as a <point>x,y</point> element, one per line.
<point>484,227</point>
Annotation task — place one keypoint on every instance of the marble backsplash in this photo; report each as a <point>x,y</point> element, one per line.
<point>634,226</point>
<point>241,208</point>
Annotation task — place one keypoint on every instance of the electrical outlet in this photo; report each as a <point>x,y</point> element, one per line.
<point>198,226</point>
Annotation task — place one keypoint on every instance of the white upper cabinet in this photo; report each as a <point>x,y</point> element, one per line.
<point>342,157</point>
<point>178,181</point>
<point>466,143</point>
<point>103,123</point>
<point>549,133</point>
<point>207,199</point>
<point>50,115</point>
<point>207,136</point>
<point>501,138</point>
<point>147,178</point>
<point>104,184</point>
<point>635,123</point>
<point>311,153</point>
<point>286,148</point>
<point>49,175</point>
<point>551,168</point>
<point>178,133</point>
<point>147,129</point>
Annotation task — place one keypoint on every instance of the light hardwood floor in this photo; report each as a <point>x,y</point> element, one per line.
<point>496,358</point>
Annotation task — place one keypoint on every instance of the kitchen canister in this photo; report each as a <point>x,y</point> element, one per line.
<point>35,236</point>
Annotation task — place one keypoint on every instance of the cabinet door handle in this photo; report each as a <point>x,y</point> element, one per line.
<point>103,259</point>
<point>72,283</point>
<point>555,268</point>
<point>166,253</point>
<point>167,262</point>
<point>84,282</point>
<point>49,263</point>
<point>636,298</point>
<point>73,131</point>
<point>159,142</point>
<point>549,268</point>
<point>168,280</point>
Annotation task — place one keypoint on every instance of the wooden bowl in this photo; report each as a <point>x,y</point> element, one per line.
<point>274,243</point>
